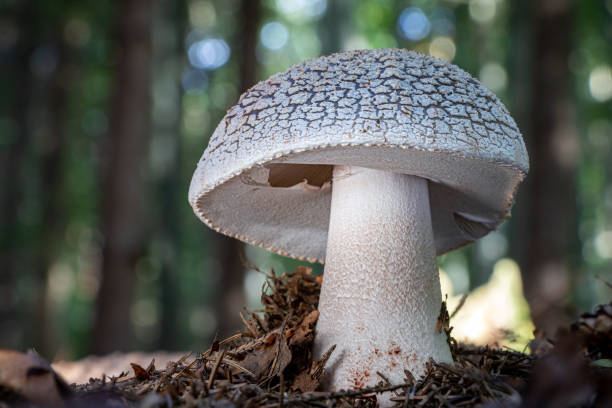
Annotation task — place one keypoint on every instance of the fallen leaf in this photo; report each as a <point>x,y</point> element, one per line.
<point>269,340</point>
<point>304,382</point>
<point>140,372</point>
<point>305,328</point>
<point>309,380</point>
<point>268,361</point>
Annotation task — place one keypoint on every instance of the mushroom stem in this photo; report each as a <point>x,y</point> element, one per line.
<point>380,299</point>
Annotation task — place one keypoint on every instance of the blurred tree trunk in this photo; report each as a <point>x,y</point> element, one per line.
<point>249,21</point>
<point>53,95</point>
<point>331,26</point>
<point>172,16</point>
<point>16,80</point>
<point>125,185</point>
<point>228,250</point>
<point>546,235</point>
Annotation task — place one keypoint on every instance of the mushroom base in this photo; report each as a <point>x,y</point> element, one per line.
<point>380,299</point>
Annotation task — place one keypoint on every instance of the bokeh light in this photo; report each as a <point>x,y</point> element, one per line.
<point>305,42</point>
<point>195,116</point>
<point>194,81</point>
<point>202,14</point>
<point>603,244</point>
<point>60,284</point>
<point>482,11</point>
<point>443,48</point>
<point>493,76</point>
<point>299,9</point>
<point>442,21</point>
<point>413,24</point>
<point>598,135</point>
<point>494,308</point>
<point>600,83</point>
<point>355,42</point>
<point>209,53</point>
<point>145,314</point>
<point>493,246</point>
<point>202,321</point>
<point>458,273</point>
<point>274,35</point>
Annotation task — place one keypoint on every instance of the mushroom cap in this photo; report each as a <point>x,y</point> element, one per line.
<point>265,176</point>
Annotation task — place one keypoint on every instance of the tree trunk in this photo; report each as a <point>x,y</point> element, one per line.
<point>171,13</point>
<point>231,293</point>
<point>123,220</point>
<point>17,82</point>
<point>54,97</point>
<point>546,215</point>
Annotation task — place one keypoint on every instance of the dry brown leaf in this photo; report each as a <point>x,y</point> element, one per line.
<point>598,322</point>
<point>139,372</point>
<point>305,328</point>
<point>309,380</point>
<point>304,382</point>
<point>269,340</point>
<point>269,361</point>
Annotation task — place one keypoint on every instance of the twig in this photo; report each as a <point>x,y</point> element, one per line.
<point>281,391</point>
<point>608,284</point>
<point>385,379</point>
<point>188,366</point>
<point>211,379</point>
<point>344,394</point>
<point>460,305</point>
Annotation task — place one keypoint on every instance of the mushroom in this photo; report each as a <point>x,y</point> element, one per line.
<point>373,161</point>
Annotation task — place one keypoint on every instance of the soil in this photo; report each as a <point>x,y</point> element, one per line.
<point>270,365</point>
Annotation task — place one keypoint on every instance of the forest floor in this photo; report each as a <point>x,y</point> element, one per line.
<point>270,365</point>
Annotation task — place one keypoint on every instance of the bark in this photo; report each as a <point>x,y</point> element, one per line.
<point>231,293</point>
<point>169,184</point>
<point>18,80</point>
<point>546,214</point>
<point>54,95</point>
<point>123,221</point>
<point>249,21</point>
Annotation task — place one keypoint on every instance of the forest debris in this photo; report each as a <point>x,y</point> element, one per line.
<point>211,379</point>
<point>309,380</point>
<point>598,322</point>
<point>444,323</point>
<point>268,359</point>
<point>139,372</point>
<point>443,318</point>
<point>563,377</point>
<point>277,366</point>
<point>595,331</point>
<point>306,328</point>
<point>28,377</point>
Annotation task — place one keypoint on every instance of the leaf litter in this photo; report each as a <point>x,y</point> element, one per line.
<point>271,364</point>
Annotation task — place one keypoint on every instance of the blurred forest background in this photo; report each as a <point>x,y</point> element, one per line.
<point>106,107</point>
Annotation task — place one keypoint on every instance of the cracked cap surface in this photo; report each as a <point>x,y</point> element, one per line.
<point>389,109</point>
